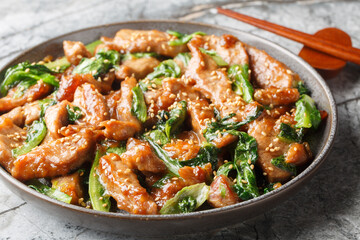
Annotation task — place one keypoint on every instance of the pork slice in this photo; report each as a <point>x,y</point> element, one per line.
<point>213,82</point>
<point>55,158</point>
<point>194,175</point>
<point>269,146</point>
<point>229,48</point>
<point>277,96</point>
<point>11,136</point>
<point>56,117</point>
<point>125,102</point>
<point>75,51</point>
<point>298,154</point>
<point>267,72</point>
<point>126,124</point>
<point>37,91</point>
<point>128,40</point>
<point>69,83</point>
<point>200,112</point>
<point>183,150</point>
<point>123,185</point>
<point>24,115</point>
<point>139,156</point>
<point>137,67</point>
<point>92,104</point>
<point>112,101</point>
<point>71,185</point>
<point>221,192</point>
<point>16,116</point>
<point>118,130</point>
<point>167,191</point>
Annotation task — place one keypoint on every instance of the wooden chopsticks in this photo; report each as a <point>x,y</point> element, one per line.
<point>337,50</point>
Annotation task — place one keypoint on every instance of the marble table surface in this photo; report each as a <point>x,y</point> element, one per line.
<point>328,207</point>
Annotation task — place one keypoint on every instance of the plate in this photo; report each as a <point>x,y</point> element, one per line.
<point>207,220</point>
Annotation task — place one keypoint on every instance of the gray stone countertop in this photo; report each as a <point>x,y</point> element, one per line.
<point>328,207</point>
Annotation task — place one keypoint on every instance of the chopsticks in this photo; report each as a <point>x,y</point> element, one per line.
<point>337,50</point>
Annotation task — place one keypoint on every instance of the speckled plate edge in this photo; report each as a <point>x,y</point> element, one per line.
<point>305,175</point>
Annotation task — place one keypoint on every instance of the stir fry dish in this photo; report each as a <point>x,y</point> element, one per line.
<point>152,122</point>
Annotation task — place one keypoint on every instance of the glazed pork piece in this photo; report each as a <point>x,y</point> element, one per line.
<point>56,158</point>
<point>265,130</point>
<point>139,156</point>
<point>69,84</point>
<point>11,137</point>
<point>267,72</point>
<point>92,104</point>
<point>277,96</point>
<point>75,51</point>
<point>56,117</point>
<point>24,115</point>
<point>229,48</point>
<point>128,40</point>
<point>72,185</point>
<point>212,81</point>
<point>158,122</point>
<point>126,124</point>
<point>124,186</point>
<point>35,92</point>
<point>137,67</point>
<point>222,193</point>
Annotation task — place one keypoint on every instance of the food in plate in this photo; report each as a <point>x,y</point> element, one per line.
<point>152,122</point>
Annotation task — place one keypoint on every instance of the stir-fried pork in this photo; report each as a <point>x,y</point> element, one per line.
<point>222,193</point>
<point>75,51</point>
<point>197,109</point>
<point>37,91</point>
<point>71,185</point>
<point>267,72</point>
<point>56,117</point>
<point>139,156</point>
<point>11,136</point>
<point>126,124</point>
<point>123,185</point>
<point>277,96</point>
<point>24,115</point>
<point>128,40</point>
<point>69,84</point>
<point>138,68</point>
<point>56,158</point>
<point>92,104</point>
